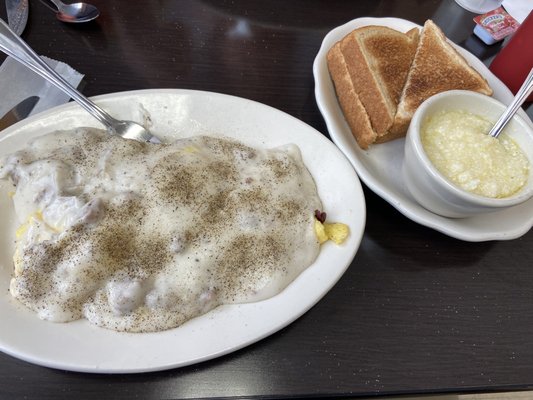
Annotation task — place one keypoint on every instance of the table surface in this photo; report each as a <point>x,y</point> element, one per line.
<point>416,312</point>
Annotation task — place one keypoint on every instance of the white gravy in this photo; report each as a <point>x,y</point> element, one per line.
<point>143,237</point>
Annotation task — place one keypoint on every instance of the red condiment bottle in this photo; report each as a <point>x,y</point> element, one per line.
<point>515,59</point>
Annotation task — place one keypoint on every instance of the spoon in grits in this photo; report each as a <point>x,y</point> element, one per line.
<point>522,94</point>
<point>76,12</point>
<point>15,47</point>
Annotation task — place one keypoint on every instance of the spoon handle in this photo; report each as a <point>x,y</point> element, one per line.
<point>56,3</point>
<point>15,47</point>
<point>521,96</point>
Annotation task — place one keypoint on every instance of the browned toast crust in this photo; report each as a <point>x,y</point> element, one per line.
<point>366,83</point>
<point>352,108</point>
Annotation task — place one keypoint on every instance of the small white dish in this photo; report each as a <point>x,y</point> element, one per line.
<point>429,186</point>
<point>380,166</point>
<point>174,113</point>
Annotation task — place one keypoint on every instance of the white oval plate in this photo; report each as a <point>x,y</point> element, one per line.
<point>380,166</point>
<point>79,346</point>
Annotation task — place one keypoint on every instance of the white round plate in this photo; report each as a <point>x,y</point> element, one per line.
<point>380,166</point>
<point>79,346</point>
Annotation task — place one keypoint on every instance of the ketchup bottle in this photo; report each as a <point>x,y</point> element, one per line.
<point>515,59</point>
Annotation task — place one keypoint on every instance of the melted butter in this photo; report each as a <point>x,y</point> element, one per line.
<point>143,237</point>
<point>457,144</point>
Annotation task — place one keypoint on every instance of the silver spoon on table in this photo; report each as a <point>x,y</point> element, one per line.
<point>522,94</point>
<point>15,47</point>
<point>76,12</point>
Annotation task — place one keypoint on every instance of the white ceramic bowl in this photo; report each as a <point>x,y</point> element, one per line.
<point>432,189</point>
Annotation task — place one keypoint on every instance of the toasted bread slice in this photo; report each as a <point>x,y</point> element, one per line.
<point>437,67</point>
<point>352,108</point>
<point>378,59</point>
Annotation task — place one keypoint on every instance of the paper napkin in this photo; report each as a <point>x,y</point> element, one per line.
<point>18,83</point>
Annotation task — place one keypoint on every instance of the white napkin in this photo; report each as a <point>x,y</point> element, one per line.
<point>18,83</point>
<point>518,9</point>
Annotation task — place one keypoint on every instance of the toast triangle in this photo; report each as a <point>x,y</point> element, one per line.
<point>437,67</point>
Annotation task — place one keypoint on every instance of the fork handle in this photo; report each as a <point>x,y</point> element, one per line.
<point>15,47</point>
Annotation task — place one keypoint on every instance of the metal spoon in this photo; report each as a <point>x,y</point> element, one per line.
<point>522,94</point>
<point>77,12</point>
<point>15,47</point>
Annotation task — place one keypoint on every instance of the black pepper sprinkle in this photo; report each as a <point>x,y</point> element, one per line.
<point>122,242</point>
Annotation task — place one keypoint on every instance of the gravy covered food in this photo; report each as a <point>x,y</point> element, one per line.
<point>142,237</point>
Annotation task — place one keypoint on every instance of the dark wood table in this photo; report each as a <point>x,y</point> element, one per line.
<point>416,312</point>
